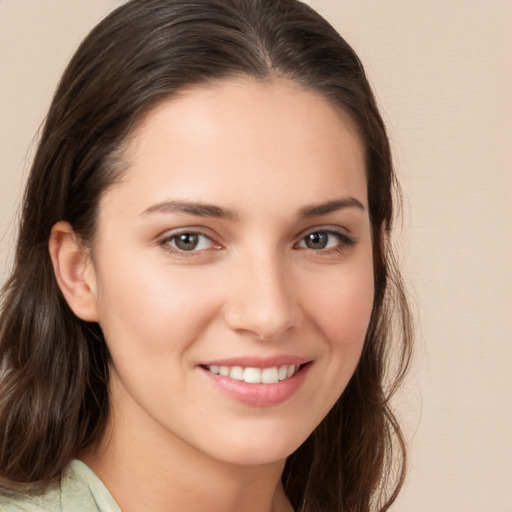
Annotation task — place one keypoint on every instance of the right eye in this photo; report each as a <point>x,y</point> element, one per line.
<point>188,241</point>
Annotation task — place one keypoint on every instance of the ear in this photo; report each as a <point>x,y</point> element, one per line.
<point>74,271</point>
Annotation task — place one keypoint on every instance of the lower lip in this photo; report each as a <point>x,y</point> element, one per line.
<point>259,395</point>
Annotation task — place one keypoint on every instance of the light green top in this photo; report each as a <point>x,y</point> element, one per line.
<point>80,490</point>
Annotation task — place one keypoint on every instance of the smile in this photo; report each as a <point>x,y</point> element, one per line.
<point>250,375</point>
<point>254,382</point>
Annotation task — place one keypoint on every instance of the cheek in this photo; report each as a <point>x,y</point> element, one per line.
<point>342,307</point>
<point>143,310</point>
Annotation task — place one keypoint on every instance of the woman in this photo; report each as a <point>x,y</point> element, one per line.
<point>199,315</point>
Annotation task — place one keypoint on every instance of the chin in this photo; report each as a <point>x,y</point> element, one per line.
<point>260,447</point>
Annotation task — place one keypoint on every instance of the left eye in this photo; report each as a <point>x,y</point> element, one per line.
<point>321,240</point>
<point>187,242</point>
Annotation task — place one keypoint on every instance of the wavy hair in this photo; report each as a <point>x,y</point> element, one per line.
<point>54,398</point>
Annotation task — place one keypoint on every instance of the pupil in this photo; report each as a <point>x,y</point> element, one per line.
<point>187,241</point>
<point>316,240</point>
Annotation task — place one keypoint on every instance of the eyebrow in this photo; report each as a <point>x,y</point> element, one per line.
<point>193,208</point>
<point>331,206</point>
<point>201,209</point>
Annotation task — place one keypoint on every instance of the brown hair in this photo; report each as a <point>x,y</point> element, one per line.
<point>54,387</point>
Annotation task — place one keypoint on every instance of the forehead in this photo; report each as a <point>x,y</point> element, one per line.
<point>245,135</point>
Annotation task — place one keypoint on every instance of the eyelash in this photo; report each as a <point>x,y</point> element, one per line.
<point>168,240</point>
<point>344,242</point>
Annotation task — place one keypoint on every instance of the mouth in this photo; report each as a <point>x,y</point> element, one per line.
<point>254,375</point>
<point>256,382</point>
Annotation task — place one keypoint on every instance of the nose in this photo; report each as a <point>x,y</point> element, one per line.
<point>262,302</point>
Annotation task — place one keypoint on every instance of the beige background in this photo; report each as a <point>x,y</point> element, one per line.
<point>442,71</point>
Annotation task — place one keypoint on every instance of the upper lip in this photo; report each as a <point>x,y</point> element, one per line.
<point>258,362</point>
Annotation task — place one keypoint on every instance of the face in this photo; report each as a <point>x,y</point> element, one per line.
<point>232,270</point>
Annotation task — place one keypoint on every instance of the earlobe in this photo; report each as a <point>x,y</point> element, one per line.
<point>74,271</point>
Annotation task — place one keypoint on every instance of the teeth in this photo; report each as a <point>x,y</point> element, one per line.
<point>270,375</point>
<point>237,373</point>
<point>250,375</point>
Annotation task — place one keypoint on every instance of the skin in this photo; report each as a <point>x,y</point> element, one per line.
<point>266,152</point>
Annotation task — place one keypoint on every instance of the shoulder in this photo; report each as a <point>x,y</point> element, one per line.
<point>79,490</point>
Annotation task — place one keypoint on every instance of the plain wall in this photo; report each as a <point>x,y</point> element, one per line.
<point>442,74</point>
